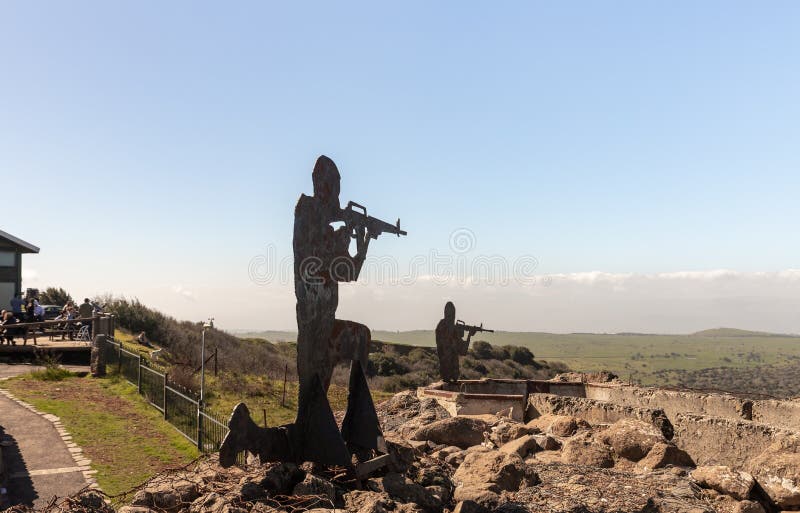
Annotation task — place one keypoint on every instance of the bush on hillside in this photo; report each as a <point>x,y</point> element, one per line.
<point>385,365</point>
<point>391,367</point>
<point>182,342</point>
<point>481,350</point>
<point>54,296</point>
<point>521,355</point>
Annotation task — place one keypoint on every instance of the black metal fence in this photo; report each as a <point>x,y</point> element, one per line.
<point>179,407</point>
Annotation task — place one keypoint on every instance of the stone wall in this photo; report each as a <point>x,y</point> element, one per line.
<point>718,441</point>
<point>594,411</point>
<point>673,402</point>
<point>714,429</point>
<point>782,414</point>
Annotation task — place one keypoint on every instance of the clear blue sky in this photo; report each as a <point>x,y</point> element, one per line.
<point>623,137</point>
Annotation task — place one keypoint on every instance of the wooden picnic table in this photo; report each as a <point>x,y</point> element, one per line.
<point>40,329</point>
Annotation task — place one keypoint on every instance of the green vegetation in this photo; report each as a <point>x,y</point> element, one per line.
<point>54,296</point>
<point>644,358</point>
<point>265,396</point>
<point>722,358</point>
<point>51,373</point>
<point>395,367</point>
<point>126,439</point>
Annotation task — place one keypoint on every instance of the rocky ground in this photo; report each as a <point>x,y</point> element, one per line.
<point>553,464</point>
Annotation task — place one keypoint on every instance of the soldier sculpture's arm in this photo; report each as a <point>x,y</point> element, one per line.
<point>346,267</point>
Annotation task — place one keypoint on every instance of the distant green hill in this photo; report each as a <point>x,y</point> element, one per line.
<point>734,332</point>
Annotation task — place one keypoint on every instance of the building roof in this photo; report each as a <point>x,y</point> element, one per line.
<point>22,246</point>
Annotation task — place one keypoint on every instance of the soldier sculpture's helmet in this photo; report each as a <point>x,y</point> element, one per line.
<point>326,178</point>
<point>449,310</point>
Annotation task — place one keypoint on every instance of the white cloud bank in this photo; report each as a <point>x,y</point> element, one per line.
<point>674,302</point>
<point>670,302</point>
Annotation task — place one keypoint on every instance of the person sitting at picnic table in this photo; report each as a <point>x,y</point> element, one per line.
<point>29,315</point>
<point>17,304</point>
<point>9,332</point>
<point>67,314</point>
<point>72,314</point>
<point>69,306</point>
<point>38,311</point>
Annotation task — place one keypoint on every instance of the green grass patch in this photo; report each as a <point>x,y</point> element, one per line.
<point>264,396</point>
<point>127,439</point>
<point>51,373</point>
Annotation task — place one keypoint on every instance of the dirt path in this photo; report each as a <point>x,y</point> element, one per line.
<point>38,462</point>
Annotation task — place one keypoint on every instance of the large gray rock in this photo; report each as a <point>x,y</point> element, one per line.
<point>632,439</point>
<point>521,446</point>
<point>166,495</point>
<point>403,489</point>
<point>212,503</point>
<point>469,506</point>
<point>585,450</point>
<point>558,425</point>
<point>134,509</point>
<point>484,475</point>
<point>361,501</point>
<point>777,470</point>
<point>748,507</point>
<point>507,430</point>
<point>547,442</point>
<point>459,431</point>
<point>314,485</point>
<point>482,495</point>
<point>663,454</point>
<point>723,479</point>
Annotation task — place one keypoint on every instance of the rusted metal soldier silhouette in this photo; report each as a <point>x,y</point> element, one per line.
<point>450,342</point>
<point>321,261</point>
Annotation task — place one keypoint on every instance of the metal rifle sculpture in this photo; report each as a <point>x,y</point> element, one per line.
<point>355,219</point>
<point>472,330</point>
<point>321,261</point>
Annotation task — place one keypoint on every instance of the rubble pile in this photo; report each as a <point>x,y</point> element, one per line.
<point>489,463</point>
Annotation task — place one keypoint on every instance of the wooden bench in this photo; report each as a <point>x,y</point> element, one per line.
<point>34,330</point>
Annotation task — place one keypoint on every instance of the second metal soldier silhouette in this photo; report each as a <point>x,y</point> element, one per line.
<point>450,342</point>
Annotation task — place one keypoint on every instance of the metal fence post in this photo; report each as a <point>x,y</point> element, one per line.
<point>199,427</point>
<point>119,358</point>
<point>139,376</point>
<point>165,395</point>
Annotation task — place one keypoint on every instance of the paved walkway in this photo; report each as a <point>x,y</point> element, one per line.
<point>39,457</point>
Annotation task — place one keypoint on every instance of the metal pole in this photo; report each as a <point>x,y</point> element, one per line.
<point>203,366</point>
<point>165,395</point>
<point>199,427</point>
<point>139,376</point>
<point>215,361</point>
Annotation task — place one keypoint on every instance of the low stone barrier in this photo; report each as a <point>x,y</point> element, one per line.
<point>673,402</point>
<point>783,414</point>
<point>594,411</point>
<point>719,441</point>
